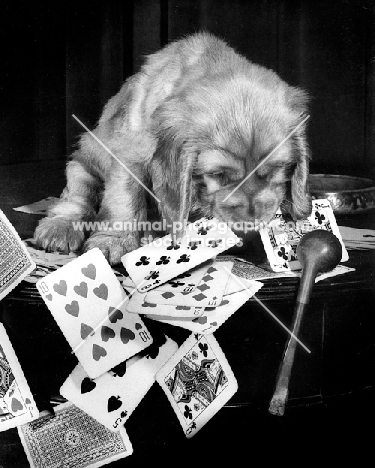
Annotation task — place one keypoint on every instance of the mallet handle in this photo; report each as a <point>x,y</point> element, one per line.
<point>280,396</point>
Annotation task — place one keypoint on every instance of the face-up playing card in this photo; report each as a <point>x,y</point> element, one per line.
<point>71,438</point>
<point>213,317</point>
<point>197,381</point>
<point>112,397</point>
<point>208,293</point>
<point>186,282</point>
<point>15,261</point>
<point>160,261</point>
<point>17,405</point>
<point>137,304</point>
<point>88,303</point>
<point>282,235</point>
<point>40,207</point>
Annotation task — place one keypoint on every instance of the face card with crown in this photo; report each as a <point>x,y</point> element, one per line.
<point>283,234</point>
<point>17,405</point>
<point>88,303</point>
<point>197,381</point>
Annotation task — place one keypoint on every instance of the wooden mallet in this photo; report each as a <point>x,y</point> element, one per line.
<point>318,252</point>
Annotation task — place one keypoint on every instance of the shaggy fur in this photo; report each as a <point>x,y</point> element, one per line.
<point>194,121</point>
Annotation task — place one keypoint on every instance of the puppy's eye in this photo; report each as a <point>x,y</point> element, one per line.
<point>262,176</point>
<point>219,176</point>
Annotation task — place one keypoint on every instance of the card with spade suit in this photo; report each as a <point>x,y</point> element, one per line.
<point>112,397</point>
<point>88,303</point>
<point>160,261</point>
<point>197,381</point>
<point>282,235</point>
<point>17,405</point>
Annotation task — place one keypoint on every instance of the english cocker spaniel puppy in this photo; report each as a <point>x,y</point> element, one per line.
<point>190,126</point>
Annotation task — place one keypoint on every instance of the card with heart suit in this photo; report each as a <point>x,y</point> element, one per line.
<point>208,293</point>
<point>88,303</point>
<point>160,261</point>
<point>15,261</point>
<point>213,317</point>
<point>71,438</point>
<point>197,381</point>
<point>282,235</point>
<point>112,397</point>
<point>17,405</point>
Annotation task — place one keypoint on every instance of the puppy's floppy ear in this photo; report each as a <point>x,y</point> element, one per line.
<point>171,172</point>
<point>299,199</point>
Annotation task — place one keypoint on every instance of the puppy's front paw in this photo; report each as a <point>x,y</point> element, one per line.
<point>112,246</point>
<point>58,234</point>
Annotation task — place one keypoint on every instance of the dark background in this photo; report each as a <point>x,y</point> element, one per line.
<point>60,58</point>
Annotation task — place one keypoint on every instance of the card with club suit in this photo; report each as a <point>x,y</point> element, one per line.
<point>197,381</point>
<point>282,235</point>
<point>160,261</point>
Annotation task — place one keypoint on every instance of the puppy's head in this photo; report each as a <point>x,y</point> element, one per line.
<point>223,150</point>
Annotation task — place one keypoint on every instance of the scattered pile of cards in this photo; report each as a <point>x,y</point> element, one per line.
<point>119,360</point>
<point>184,285</point>
<point>118,357</point>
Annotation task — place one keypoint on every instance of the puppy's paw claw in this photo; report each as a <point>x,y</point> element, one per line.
<point>58,234</point>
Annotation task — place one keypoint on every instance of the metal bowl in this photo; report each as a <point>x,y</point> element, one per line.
<point>347,195</point>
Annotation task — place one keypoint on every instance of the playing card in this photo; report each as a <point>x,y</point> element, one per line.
<point>160,261</point>
<point>15,261</point>
<point>72,439</point>
<point>40,207</point>
<point>208,293</point>
<point>197,381</point>
<point>213,317</point>
<point>112,397</point>
<point>88,303</point>
<point>48,259</point>
<point>138,305</point>
<point>282,235</point>
<point>17,405</point>
<point>186,282</point>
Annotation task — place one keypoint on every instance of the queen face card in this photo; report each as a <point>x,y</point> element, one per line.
<point>15,261</point>
<point>88,303</point>
<point>160,261</point>
<point>282,235</point>
<point>197,381</point>
<point>112,397</point>
<point>71,438</point>
<point>17,405</point>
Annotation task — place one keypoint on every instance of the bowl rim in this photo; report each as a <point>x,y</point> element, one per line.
<point>367,189</point>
